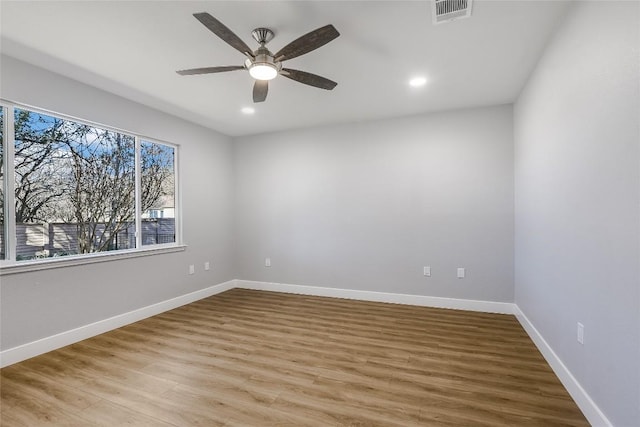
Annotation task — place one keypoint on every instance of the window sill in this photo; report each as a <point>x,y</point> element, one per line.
<point>15,267</point>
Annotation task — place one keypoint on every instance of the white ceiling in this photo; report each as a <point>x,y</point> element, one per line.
<point>132,48</point>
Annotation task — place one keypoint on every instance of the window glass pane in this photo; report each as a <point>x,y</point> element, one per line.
<point>157,193</point>
<point>2,238</point>
<point>75,187</point>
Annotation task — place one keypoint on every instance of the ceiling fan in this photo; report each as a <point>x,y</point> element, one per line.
<point>261,63</point>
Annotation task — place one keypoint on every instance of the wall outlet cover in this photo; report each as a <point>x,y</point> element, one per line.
<point>580,333</point>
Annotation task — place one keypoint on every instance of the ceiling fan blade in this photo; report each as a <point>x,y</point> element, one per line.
<point>307,43</point>
<point>209,70</point>
<point>308,78</point>
<point>220,30</point>
<point>260,89</point>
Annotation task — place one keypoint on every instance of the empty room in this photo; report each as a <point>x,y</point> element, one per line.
<point>320,213</point>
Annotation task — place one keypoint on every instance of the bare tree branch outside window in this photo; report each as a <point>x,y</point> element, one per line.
<point>73,174</point>
<point>157,193</point>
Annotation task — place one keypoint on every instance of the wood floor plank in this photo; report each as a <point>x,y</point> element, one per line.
<point>18,382</point>
<point>107,414</point>
<point>255,358</point>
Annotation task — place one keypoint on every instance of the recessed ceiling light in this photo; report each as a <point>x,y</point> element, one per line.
<point>248,110</point>
<point>417,81</point>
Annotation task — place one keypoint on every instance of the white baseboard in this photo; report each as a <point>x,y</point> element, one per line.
<point>420,300</point>
<point>41,346</point>
<point>591,411</point>
<point>588,407</point>
<point>35,348</point>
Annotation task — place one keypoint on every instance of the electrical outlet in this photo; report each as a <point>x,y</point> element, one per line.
<point>427,271</point>
<point>207,266</point>
<point>192,269</point>
<point>580,333</point>
<point>461,273</point>
<point>267,262</point>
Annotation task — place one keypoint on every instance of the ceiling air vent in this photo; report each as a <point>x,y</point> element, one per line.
<point>450,10</point>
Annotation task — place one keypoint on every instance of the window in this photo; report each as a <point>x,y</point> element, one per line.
<point>157,193</point>
<point>77,189</point>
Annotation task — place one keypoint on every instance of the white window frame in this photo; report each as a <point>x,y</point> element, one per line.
<point>176,193</point>
<point>10,266</point>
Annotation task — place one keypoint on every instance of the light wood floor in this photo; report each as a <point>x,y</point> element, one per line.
<point>253,358</point>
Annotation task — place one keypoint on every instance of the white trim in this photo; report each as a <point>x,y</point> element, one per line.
<point>137,192</point>
<point>10,240</point>
<point>588,407</point>
<point>35,348</point>
<point>14,267</point>
<point>419,300</point>
<point>591,411</point>
<point>177,194</point>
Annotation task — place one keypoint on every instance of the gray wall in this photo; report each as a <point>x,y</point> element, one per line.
<point>40,304</point>
<point>577,202</point>
<point>365,206</point>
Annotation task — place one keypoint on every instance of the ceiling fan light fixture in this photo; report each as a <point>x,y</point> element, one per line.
<point>263,71</point>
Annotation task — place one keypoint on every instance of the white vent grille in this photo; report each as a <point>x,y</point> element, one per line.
<point>449,10</point>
